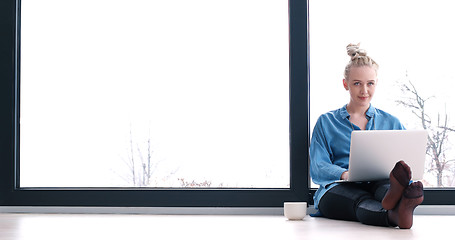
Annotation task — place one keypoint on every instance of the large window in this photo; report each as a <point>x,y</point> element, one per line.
<point>154,94</point>
<point>137,103</point>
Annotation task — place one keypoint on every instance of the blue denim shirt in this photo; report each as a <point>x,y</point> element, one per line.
<point>331,143</point>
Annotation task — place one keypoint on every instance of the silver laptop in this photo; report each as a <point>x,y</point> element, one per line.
<point>374,153</point>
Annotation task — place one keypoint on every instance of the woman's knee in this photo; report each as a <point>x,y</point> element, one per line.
<point>341,202</point>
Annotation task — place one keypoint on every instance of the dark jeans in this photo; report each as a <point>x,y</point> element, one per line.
<point>356,202</point>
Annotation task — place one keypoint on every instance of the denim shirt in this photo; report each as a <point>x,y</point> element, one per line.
<point>331,143</point>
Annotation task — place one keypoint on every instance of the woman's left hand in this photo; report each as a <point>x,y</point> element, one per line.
<point>345,175</point>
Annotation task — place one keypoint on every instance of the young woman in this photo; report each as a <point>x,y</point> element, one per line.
<point>382,203</point>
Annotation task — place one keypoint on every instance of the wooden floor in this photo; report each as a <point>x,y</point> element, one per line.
<point>131,227</point>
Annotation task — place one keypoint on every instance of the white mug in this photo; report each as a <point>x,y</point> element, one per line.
<point>295,210</point>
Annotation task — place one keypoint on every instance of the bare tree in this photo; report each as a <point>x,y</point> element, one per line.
<point>141,164</point>
<point>437,131</point>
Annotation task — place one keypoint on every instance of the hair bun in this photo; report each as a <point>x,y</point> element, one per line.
<point>359,58</point>
<point>355,52</point>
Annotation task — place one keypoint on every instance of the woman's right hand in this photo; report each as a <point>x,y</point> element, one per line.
<point>345,175</point>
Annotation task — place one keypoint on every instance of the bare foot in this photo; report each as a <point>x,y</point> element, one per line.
<point>403,214</point>
<point>399,180</point>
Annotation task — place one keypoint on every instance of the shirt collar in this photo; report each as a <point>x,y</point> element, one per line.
<point>370,112</point>
<point>344,112</point>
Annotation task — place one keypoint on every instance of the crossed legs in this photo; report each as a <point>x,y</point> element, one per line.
<point>379,203</point>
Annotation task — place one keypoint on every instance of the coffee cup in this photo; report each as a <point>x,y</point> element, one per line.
<point>295,210</point>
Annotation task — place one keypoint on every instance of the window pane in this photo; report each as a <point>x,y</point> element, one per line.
<point>413,47</point>
<point>154,94</point>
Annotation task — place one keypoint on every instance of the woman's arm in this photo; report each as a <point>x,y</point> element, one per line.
<point>322,169</point>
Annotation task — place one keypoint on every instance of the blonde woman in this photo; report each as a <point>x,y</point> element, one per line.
<point>383,203</point>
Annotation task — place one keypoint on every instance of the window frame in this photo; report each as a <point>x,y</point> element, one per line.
<point>12,195</point>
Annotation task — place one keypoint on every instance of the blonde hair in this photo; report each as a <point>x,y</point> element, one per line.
<point>359,58</point>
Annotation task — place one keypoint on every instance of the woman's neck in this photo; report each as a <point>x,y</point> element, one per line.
<point>357,116</point>
<point>356,110</point>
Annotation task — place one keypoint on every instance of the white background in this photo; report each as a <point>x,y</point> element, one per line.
<point>206,81</point>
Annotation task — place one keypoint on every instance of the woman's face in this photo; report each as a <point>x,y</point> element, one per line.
<point>361,84</point>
